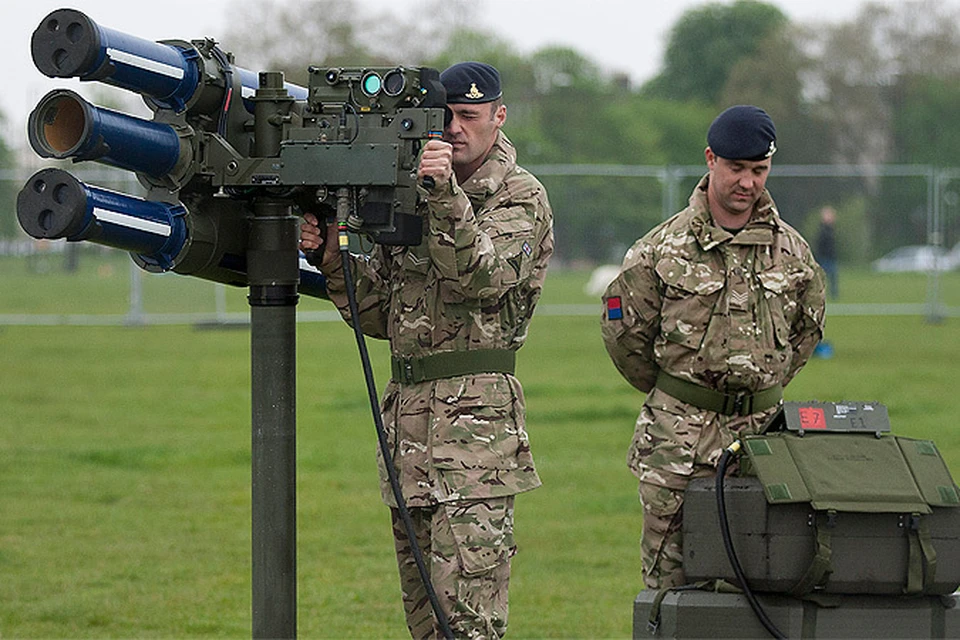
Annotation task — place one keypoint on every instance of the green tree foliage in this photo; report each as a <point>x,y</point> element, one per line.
<point>925,104</point>
<point>885,84</point>
<point>925,132</point>
<point>773,79</point>
<point>707,43</point>
<point>848,84</point>
<point>879,78</point>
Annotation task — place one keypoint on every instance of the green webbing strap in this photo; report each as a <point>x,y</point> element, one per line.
<point>728,404</point>
<point>914,565</point>
<point>447,364</point>
<point>922,558</point>
<point>717,586</point>
<point>929,555</point>
<point>820,569</point>
<point>938,618</point>
<point>653,620</point>
<point>808,623</point>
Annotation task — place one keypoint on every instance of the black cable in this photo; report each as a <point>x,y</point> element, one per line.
<point>728,545</point>
<point>442,621</point>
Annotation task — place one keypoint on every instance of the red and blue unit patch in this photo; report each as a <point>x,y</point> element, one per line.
<point>614,310</point>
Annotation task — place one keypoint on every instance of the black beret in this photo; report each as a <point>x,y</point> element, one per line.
<point>471,83</point>
<point>743,132</point>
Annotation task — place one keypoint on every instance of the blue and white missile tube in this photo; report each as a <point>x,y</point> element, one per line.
<point>68,44</point>
<point>53,204</point>
<point>64,125</point>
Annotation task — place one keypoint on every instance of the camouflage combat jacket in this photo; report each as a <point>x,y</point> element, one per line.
<point>726,311</point>
<point>472,283</point>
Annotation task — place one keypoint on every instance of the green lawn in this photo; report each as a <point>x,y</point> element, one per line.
<point>101,285</point>
<point>125,466</point>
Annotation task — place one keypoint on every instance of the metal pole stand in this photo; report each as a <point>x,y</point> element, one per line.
<point>273,271</point>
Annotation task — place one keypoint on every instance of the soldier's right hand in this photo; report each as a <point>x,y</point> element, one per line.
<point>436,162</point>
<point>313,238</point>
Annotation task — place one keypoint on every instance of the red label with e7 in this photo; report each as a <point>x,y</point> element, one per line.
<point>812,418</point>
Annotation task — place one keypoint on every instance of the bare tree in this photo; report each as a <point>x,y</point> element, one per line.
<point>862,64</point>
<point>289,36</point>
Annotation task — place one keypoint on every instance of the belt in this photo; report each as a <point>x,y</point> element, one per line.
<point>446,364</point>
<point>728,404</point>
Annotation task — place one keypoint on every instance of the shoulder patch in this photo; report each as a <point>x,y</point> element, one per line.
<point>614,309</point>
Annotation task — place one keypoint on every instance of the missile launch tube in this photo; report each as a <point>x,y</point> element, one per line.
<point>64,125</point>
<point>69,44</point>
<point>54,204</point>
<point>161,236</point>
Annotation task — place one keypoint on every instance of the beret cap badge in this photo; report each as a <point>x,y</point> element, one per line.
<point>474,93</point>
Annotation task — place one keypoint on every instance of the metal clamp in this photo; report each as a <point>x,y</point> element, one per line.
<point>403,370</point>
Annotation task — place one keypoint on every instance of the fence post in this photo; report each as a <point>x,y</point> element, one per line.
<point>135,310</point>
<point>935,239</point>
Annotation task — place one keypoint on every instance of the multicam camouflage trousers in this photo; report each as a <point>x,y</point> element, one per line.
<point>674,443</point>
<point>661,545</point>
<point>467,548</point>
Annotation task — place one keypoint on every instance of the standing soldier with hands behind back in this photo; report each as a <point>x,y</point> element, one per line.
<point>455,309</point>
<point>713,312</point>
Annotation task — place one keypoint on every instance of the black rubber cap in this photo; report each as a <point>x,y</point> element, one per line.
<point>52,205</point>
<point>436,93</point>
<point>66,44</point>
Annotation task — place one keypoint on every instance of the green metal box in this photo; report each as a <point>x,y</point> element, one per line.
<point>706,614</point>
<point>775,544</point>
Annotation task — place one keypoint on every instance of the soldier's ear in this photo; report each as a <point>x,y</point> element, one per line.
<point>711,157</point>
<point>500,114</point>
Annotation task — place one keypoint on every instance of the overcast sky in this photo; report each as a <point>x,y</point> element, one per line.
<point>623,35</point>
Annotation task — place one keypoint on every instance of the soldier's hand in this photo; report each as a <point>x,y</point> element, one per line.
<point>436,161</point>
<point>313,238</point>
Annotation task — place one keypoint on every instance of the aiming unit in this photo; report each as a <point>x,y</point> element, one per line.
<point>223,143</point>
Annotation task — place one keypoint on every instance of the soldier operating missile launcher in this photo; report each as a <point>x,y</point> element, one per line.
<point>207,160</point>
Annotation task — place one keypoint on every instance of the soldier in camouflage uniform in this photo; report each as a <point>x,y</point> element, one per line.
<point>455,309</point>
<point>713,312</point>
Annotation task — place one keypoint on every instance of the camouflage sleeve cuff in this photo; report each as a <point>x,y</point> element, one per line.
<point>442,201</point>
<point>332,270</point>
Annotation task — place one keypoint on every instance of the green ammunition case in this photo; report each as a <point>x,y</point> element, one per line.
<point>852,513</point>
<point>776,544</point>
<point>706,614</point>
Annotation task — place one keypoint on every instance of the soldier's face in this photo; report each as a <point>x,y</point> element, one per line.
<point>472,130</point>
<point>735,185</point>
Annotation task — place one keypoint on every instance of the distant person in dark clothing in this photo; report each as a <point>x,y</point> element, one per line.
<point>825,249</point>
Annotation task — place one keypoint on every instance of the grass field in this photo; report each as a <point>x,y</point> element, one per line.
<point>102,286</point>
<point>125,464</point>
